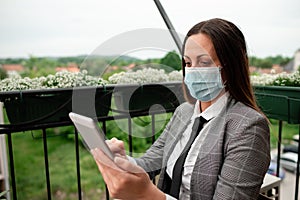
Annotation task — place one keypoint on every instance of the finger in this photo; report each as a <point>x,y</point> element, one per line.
<point>128,166</point>
<point>120,155</point>
<point>103,160</point>
<point>115,142</point>
<point>102,171</point>
<point>113,139</point>
<point>116,146</point>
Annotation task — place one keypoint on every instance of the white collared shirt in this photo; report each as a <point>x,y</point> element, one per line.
<point>211,112</point>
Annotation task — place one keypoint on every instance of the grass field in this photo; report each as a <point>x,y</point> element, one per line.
<point>288,131</point>
<point>30,170</point>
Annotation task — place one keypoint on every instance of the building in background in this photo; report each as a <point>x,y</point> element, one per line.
<point>294,64</point>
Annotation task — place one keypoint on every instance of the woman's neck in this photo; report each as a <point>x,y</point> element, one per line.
<point>204,105</point>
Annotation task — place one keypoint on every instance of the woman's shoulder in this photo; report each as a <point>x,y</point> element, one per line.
<point>242,111</point>
<point>185,107</point>
<point>184,111</point>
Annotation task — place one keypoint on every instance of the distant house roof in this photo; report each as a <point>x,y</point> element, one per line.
<point>13,67</point>
<point>72,67</point>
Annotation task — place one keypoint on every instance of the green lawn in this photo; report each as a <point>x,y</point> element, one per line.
<point>288,131</point>
<point>30,172</point>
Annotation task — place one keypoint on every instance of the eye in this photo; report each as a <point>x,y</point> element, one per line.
<point>188,64</point>
<point>205,61</point>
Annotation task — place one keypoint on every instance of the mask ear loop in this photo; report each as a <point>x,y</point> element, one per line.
<point>223,82</point>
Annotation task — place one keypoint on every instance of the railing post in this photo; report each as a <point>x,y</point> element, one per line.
<point>77,164</point>
<point>279,147</point>
<point>12,166</point>
<point>3,155</point>
<point>130,135</point>
<point>153,127</point>
<point>297,174</point>
<point>153,136</point>
<point>46,164</point>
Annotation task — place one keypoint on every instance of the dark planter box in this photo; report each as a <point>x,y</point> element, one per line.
<point>54,105</point>
<point>279,102</point>
<point>136,98</point>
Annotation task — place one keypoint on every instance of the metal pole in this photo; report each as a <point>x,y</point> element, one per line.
<point>3,155</point>
<point>169,25</point>
<point>297,174</point>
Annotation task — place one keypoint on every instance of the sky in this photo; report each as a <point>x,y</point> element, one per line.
<point>71,28</point>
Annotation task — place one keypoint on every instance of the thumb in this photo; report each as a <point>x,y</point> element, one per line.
<point>128,166</point>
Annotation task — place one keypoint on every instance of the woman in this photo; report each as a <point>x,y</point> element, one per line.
<point>230,155</point>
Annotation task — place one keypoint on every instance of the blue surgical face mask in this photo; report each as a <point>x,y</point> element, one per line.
<point>204,83</point>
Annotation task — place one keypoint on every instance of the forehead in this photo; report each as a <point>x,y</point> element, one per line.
<point>199,44</point>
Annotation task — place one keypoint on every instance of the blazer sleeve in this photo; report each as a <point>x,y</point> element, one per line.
<point>152,161</point>
<point>246,158</point>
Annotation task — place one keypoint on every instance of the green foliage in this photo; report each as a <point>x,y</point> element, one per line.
<point>12,61</point>
<point>3,74</point>
<point>106,75</point>
<point>171,60</point>
<point>35,67</point>
<point>75,59</point>
<point>122,60</point>
<point>94,65</point>
<point>268,61</point>
<point>30,169</point>
<point>288,131</point>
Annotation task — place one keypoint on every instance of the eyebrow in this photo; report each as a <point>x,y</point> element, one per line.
<point>199,56</point>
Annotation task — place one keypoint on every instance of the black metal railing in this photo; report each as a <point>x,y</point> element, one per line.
<point>167,95</point>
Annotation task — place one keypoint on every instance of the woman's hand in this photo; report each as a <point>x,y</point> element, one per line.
<point>126,180</point>
<point>117,147</point>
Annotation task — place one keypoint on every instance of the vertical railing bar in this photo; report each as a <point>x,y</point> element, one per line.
<point>130,135</point>
<point>12,166</point>
<point>78,164</point>
<point>279,147</point>
<point>104,127</point>
<point>153,128</point>
<point>153,136</point>
<point>105,132</point>
<point>46,164</point>
<point>107,192</point>
<point>297,174</point>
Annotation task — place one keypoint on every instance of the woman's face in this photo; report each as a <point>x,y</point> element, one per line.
<point>200,52</point>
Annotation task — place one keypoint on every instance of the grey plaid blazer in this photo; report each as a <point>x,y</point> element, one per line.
<point>232,160</point>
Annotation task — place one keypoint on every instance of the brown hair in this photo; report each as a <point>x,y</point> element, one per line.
<point>230,47</point>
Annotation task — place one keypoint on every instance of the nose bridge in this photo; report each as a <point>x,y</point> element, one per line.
<point>194,61</point>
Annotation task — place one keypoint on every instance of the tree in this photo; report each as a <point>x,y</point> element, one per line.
<point>172,61</point>
<point>36,66</point>
<point>3,74</point>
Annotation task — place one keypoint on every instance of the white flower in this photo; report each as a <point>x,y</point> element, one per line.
<point>282,79</point>
<point>63,79</point>
<point>146,75</point>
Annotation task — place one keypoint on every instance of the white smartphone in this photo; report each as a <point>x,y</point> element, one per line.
<point>92,135</point>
